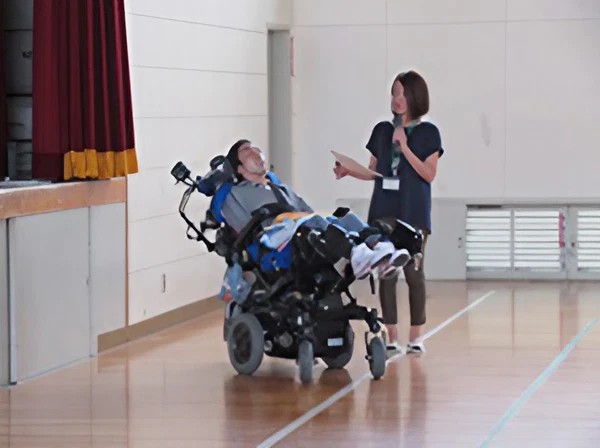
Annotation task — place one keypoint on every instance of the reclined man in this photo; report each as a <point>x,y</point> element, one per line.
<point>253,189</point>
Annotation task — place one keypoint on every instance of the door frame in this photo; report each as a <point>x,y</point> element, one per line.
<point>280,145</point>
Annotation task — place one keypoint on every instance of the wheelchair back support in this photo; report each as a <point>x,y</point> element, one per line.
<point>268,260</point>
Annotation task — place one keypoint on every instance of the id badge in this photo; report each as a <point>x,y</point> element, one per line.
<point>391,183</point>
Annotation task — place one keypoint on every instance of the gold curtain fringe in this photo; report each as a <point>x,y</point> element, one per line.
<point>91,164</point>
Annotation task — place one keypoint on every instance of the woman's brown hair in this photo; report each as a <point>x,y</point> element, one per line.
<point>416,93</point>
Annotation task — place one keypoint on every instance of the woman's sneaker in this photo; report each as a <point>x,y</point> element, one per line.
<point>415,348</point>
<point>393,348</point>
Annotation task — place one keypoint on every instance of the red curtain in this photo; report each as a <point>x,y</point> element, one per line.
<point>3,104</point>
<point>82,112</point>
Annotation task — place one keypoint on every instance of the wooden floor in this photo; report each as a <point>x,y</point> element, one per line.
<point>493,374</point>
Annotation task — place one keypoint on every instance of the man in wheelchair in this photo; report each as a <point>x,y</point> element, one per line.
<point>333,238</point>
<point>287,267</point>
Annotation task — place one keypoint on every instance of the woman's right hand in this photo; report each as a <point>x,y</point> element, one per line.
<point>340,171</point>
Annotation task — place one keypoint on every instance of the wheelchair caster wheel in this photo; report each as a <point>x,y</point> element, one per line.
<point>377,357</point>
<point>305,361</point>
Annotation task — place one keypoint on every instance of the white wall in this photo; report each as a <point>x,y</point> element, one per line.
<point>199,80</point>
<point>513,84</point>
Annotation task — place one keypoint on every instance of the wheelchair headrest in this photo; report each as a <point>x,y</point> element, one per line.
<point>220,173</point>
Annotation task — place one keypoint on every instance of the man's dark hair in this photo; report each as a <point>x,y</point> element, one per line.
<point>232,155</point>
<point>415,92</point>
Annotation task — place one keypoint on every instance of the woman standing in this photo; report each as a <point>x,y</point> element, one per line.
<point>405,152</point>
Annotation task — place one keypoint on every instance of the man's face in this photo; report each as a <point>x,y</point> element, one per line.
<point>252,160</point>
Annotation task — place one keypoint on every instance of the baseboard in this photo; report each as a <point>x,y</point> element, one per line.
<point>158,323</point>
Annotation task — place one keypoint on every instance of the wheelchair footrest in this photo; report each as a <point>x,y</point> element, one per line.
<point>352,312</point>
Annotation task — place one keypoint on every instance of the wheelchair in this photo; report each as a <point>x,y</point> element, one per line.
<point>297,306</point>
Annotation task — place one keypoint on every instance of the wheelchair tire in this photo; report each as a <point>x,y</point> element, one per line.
<point>305,361</point>
<point>341,360</point>
<point>377,357</point>
<point>245,343</point>
<point>226,325</point>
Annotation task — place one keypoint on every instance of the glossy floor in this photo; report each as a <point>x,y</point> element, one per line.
<point>492,374</point>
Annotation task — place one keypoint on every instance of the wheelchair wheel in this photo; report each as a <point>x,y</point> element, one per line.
<point>340,361</point>
<point>226,325</point>
<point>377,357</point>
<point>245,343</point>
<point>305,361</point>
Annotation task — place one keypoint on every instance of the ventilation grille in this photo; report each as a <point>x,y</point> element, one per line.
<point>516,239</point>
<point>488,239</point>
<point>538,242</point>
<point>588,237</point>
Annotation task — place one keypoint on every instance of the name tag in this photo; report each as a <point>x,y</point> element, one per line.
<point>391,183</point>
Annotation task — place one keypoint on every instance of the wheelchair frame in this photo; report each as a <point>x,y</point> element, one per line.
<point>272,306</point>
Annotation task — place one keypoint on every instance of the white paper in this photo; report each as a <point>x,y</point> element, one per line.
<point>353,166</point>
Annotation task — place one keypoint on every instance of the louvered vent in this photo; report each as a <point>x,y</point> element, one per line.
<point>588,236</point>
<point>537,239</point>
<point>488,239</point>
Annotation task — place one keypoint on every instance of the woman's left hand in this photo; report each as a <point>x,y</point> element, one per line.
<point>400,138</point>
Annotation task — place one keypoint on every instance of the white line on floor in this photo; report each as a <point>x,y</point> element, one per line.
<point>287,430</point>
<point>541,379</point>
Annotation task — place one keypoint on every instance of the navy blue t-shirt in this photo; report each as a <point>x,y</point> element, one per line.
<point>412,201</point>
